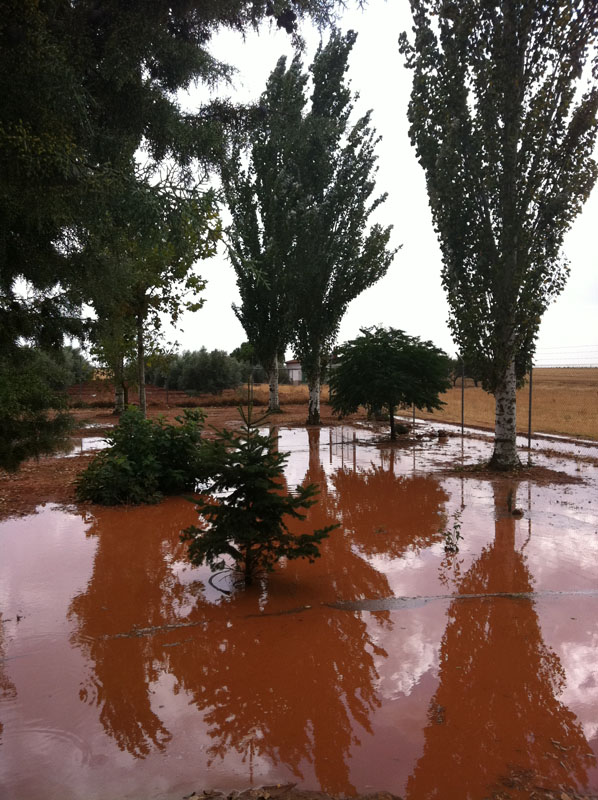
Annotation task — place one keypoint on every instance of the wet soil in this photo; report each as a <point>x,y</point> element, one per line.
<point>393,664</point>
<point>51,479</point>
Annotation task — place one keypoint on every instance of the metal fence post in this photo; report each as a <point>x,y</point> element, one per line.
<point>462,396</point>
<point>529,414</point>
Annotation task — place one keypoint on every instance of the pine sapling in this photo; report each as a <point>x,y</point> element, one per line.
<point>245,508</point>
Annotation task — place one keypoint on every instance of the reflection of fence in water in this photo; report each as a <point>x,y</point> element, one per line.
<point>342,443</point>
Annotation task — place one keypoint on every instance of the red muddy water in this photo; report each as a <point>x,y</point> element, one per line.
<point>389,664</point>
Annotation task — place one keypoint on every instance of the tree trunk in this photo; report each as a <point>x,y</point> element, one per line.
<point>274,400</point>
<point>141,367</point>
<point>313,415</point>
<point>119,387</point>
<point>391,418</point>
<point>505,455</point>
<point>248,567</point>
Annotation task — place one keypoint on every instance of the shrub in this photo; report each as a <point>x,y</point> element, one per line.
<point>33,418</point>
<point>246,521</point>
<point>145,460</point>
<point>198,371</point>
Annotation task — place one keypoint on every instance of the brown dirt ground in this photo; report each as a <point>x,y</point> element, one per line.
<point>282,792</point>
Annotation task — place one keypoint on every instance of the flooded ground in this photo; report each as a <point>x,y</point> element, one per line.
<point>389,664</point>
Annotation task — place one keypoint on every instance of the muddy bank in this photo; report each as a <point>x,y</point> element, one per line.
<point>291,792</point>
<point>51,479</point>
<point>277,792</point>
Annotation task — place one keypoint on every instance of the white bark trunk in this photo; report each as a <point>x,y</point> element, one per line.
<point>141,367</point>
<point>505,455</point>
<point>274,400</point>
<point>313,417</point>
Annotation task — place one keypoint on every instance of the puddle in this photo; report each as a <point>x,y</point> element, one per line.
<point>81,444</point>
<point>388,664</point>
<point>551,442</point>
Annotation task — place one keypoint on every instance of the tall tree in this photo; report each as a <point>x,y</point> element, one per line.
<point>504,124</point>
<point>336,256</point>
<point>83,86</point>
<point>150,245</point>
<point>263,199</point>
<point>300,211</point>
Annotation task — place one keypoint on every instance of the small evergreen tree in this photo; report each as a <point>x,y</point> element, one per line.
<point>247,522</point>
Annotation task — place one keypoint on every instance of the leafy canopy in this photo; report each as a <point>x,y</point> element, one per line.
<point>503,119</point>
<point>85,85</point>
<point>386,368</point>
<point>301,192</point>
<point>339,253</point>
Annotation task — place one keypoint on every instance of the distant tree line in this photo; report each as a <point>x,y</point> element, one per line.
<point>207,372</point>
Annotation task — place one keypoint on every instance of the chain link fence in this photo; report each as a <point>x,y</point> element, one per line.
<point>560,397</point>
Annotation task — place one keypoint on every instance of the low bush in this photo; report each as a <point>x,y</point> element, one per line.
<point>145,460</point>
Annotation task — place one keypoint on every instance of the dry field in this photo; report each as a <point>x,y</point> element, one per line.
<point>564,401</point>
<point>100,393</point>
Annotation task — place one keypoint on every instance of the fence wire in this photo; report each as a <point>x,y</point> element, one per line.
<point>560,396</point>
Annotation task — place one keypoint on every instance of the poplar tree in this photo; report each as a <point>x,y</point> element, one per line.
<point>264,198</point>
<point>300,240</point>
<point>503,121</point>
<point>337,256</point>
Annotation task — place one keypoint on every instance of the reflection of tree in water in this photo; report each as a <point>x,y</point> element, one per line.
<point>297,689</point>
<point>388,514</point>
<point>495,723</point>
<point>292,688</point>
<point>351,577</point>
<point>132,586</point>
<point>7,687</point>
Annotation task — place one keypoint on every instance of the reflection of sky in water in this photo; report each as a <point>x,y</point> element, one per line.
<point>84,584</point>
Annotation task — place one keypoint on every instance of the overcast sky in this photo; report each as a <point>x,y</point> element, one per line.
<point>410,297</point>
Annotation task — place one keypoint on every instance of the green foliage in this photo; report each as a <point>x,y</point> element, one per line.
<point>145,460</point>
<point>84,87</point>
<point>198,371</point>
<point>76,366</point>
<point>244,511</point>
<point>148,247</point>
<point>245,352</point>
<point>33,420</point>
<point>339,253</point>
<point>299,239</point>
<point>251,369</point>
<point>386,368</point>
<point>503,119</point>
